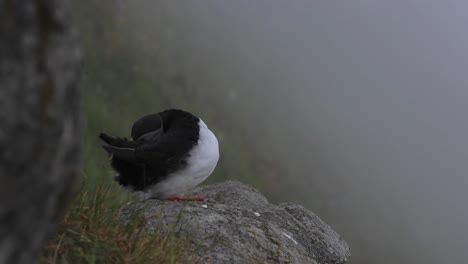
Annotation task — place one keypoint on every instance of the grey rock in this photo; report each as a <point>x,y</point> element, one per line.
<point>236,224</point>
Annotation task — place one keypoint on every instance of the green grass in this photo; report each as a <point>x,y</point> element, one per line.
<point>91,232</point>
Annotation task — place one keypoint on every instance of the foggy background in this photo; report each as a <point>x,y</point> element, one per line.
<point>362,103</point>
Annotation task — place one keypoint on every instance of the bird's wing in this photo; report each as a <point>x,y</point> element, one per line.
<point>168,151</point>
<point>147,146</point>
<point>154,149</point>
<point>127,154</point>
<point>121,148</point>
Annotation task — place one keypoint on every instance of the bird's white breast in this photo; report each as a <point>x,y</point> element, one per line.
<point>200,164</point>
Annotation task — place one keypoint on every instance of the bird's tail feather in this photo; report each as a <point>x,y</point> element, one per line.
<point>127,154</point>
<point>117,141</point>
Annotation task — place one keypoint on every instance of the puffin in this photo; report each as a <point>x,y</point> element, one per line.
<point>169,153</point>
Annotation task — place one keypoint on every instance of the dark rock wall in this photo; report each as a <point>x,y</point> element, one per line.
<point>39,123</point>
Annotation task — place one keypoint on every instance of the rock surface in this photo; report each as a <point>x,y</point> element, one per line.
<point>236,224</point>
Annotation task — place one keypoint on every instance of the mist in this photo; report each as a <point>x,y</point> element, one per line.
<point>362,102</point>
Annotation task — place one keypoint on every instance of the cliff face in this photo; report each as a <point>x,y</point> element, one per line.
<point>40,128</point>
<point>236,224</point>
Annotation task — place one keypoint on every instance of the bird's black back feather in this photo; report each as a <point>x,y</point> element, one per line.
<point>155,159</point>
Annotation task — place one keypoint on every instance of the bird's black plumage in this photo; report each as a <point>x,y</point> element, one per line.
<point>160,145</point>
